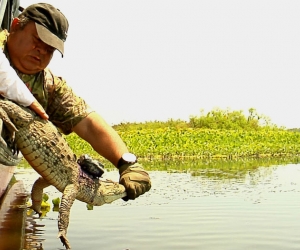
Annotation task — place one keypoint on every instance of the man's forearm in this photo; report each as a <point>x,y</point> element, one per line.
<point>102,137</point>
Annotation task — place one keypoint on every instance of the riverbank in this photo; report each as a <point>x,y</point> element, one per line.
<point>180,143</point>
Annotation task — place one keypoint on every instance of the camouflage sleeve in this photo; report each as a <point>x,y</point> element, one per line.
<point>65,108</point>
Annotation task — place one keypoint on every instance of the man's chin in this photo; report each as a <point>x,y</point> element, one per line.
<point>29,70</point>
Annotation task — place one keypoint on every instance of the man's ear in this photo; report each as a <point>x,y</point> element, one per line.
<point>14,24</point>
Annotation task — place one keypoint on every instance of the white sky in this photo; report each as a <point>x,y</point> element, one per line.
<point>154,60</point>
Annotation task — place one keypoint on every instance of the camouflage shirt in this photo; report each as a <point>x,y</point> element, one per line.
<point>64,107</point>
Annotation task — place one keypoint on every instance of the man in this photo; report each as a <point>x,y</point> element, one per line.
<point>34,36</point>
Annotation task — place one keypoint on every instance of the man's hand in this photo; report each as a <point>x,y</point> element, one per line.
<point>37,108</point>
<point>135,180</point>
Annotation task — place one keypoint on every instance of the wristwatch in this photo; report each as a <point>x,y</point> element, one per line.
<point>127,158</point>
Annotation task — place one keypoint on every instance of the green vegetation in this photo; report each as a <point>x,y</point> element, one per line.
<point>219,134</point>
<point>209,143</point>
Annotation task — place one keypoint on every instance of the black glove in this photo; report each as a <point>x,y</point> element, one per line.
<point>135,180</point>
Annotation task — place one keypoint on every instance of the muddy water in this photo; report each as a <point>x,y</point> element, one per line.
<point>257,210</point>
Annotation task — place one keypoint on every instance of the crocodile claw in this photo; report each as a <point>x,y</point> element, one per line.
<point>35,211</point>
<point>64,240</point>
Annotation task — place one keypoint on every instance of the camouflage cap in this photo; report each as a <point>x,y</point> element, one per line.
<point>51,24</point>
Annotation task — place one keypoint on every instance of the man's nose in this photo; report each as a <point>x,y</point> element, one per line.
<point>42,47</point>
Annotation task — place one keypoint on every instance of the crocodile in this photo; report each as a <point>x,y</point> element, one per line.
<point>49,154</point>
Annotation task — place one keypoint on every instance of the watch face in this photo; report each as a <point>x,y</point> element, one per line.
<point>129,157</point>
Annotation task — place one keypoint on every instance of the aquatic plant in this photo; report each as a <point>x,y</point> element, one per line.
<point>168,143</point>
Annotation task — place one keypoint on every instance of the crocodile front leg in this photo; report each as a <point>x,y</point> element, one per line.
<point>67,201</point>
<point>37,194</point>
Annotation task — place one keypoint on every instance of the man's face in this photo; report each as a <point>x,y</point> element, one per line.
<point>28,53</point>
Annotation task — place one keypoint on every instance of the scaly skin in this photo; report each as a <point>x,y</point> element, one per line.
<point>49,154</point>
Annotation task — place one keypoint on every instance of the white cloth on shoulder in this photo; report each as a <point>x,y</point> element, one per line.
<point>11,86</point>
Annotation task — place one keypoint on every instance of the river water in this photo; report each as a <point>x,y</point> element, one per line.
<point>257,210</point>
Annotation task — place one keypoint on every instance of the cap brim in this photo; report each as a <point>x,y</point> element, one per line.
<point>47,37</point>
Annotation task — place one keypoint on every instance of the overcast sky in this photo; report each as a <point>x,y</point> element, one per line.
<point>155,60</point>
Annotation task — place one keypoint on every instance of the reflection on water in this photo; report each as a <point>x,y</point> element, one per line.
<point>219,168</point>
<point>188,207</point>
<point>34,234</point>
<point>12,215</point>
